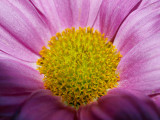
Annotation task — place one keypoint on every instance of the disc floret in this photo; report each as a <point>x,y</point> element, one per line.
<point>80,65</point>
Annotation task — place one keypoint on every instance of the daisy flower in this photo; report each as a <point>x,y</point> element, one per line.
<point>79,59</point>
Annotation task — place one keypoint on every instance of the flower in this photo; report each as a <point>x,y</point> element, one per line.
<point>132,26</point>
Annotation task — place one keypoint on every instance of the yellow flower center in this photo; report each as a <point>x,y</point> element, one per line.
<point>79,65</point>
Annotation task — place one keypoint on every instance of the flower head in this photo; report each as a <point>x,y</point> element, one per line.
<point>80,65</point>
<point>78,47</point>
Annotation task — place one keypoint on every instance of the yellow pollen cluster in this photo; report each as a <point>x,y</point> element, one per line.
<point>79,65</point>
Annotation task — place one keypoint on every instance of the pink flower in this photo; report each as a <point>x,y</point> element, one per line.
<point>133,26</point>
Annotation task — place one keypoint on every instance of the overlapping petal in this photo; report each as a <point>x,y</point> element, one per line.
<point>145,3</point>
<point>138,40</point>
<point>88,11</point>
<point>26,26</point>
<point>42,105</point>
<point>50,15</point>
<point>139,68</point>
<point>119,105</point>
<point>142,24</point>
<point>112,14</point>
<point>17,81</point>
<point>23,31</point>
<point>62,14</point>
<point>156,99</point>
<point>67,11</point>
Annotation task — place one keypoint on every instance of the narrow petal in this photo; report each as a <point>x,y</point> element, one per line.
<point>62,14</point>
<point>23,31</point>
<point>119,105</point>
<point>139,26</point>
<point>92,112</point>
<point>113,13</point>
<point>17,81</point>
<point>10,45</point>
<point>140,69</point>
<point>48,9</point>
<point>42,105</point>
<point>88,12</point>
<point>67,11</point>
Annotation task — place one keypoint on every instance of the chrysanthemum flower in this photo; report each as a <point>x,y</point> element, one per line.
<point>79,59</point>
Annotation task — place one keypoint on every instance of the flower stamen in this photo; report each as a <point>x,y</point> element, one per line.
<point>80,65</point>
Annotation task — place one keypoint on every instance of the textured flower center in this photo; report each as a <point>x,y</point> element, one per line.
<point>79,65</point>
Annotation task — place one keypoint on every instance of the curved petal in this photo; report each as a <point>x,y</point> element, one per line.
<point>67,11</point>
<point>139,26</point>
<point>92,112</point>
<point>119,105</point>
<point>63,14</point>
<point>140,69</point>
<point>88,12</point>
<point>48,9</point>
<point>17,81</point>
<point>156,99</point>
<point>42,105</point>
<point>147,3</point>
<point>23,30</point>
<point>113,13</point>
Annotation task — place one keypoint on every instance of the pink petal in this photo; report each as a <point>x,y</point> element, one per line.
<point>156,99</point>
<point>92,112</point>
<point>17,81</point>
<point>140,69</point>
<point>23,31</point>
<point>88,12</point>
<point>7,56</point>
<point>120,105</point>
<point>62,14</point>
<point>18,76</point>
<point>139,26</point>
<point>145,3</point>
<point>42,105</point>
<point>11,46</point>
<point>113,13</point>
<point>67,11</point>
<point>125,106</point>
<point>48,9</point>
